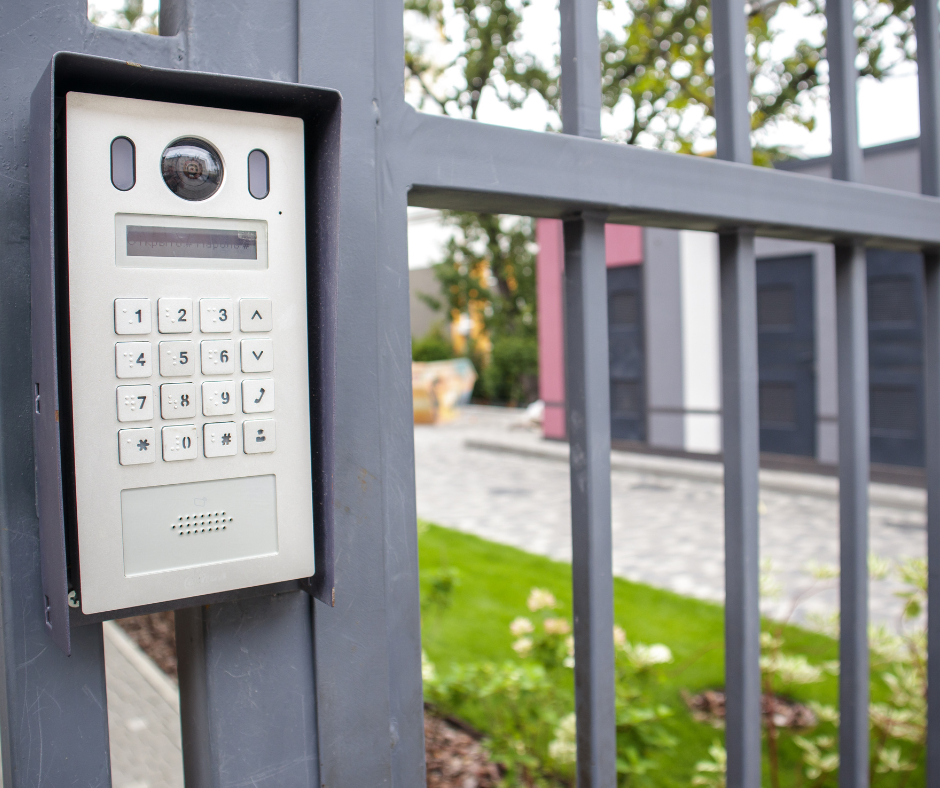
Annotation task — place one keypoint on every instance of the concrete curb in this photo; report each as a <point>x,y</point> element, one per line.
<point>883,495</point>
<point>162,684</point>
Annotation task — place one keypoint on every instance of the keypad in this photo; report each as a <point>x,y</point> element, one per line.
<point>202,377</point>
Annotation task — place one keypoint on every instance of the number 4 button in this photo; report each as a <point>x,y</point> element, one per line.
<point>133,359</point>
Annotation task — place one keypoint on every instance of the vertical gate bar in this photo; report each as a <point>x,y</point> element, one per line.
<point>739,419</point>
<point>932,452</point>
<point>852,342</point>
<point>927,29</point>
<point>588,404</point>
<point>741,448</point>
<point>587,368</point>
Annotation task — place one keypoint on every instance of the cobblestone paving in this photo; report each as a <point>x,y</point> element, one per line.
<point>144,727</point>
<point>667,531</point>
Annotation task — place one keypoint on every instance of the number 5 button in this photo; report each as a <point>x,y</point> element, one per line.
<point>258,396</point>
<point>132,359</point>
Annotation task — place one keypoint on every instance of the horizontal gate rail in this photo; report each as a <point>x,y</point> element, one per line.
<point>530,173</point>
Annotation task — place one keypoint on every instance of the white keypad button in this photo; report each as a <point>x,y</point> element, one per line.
<point>216,315</point>
<point>257,355</point>
<point>218,439</point>
<point>258,395</point>
<point>218,356</point>
<point>218,397</point>
<point>255,314</point>
<point>179,442</point>
<point>133,359</point>
<point>175,315</point>
<point>134,403</point>
<point>136,447</point>
<point>178,400</point>
<point>259,436</point>
<point>132,316</point>
<point>177,359</point>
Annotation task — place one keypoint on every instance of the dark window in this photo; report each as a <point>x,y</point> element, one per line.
<point>624,398</point>
<point>894,410</point>
<point>891,300</point>
<point>775,307</point>
<point>778,405</point>
<point>624,309</point>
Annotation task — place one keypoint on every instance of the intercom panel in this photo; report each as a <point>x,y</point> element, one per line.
<point>187,325</point>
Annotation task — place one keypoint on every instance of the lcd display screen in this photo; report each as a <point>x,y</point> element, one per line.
<point>200,243</point>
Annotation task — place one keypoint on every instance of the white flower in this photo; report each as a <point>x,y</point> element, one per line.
<point>791,668</point>
<point>564,747</point>
<point>521,626</point>
<point>523,647</point>
<point>620,637</point>
<point>427,668</point>
<point>556,626</point>
<point>642,656</point>
<point>540,598</point>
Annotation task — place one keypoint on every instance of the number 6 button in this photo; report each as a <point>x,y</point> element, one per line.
<point>218,356</point>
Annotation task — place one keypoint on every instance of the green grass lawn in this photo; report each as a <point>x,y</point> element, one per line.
<point>494,584</point>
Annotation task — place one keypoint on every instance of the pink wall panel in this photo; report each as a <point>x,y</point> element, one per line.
<point>624,247</point>
<point>549,272</point>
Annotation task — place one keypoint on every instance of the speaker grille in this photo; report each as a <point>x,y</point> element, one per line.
<point>201,523</point>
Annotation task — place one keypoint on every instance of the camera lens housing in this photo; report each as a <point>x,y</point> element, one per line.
<point>192,168</point>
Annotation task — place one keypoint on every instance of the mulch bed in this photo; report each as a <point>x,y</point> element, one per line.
<point>156,635</point>
<point>455,758</point>
<point>709,706</point>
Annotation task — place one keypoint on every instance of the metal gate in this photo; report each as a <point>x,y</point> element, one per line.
<point>334,697</point>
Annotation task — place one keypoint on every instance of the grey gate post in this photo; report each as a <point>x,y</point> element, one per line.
<point>587,400</point>
<point>739,414</point>
<point>52,708</point>
<point>927,23</point>
<point>852,340</point>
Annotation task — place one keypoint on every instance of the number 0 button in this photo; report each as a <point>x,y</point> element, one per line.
<point>179,443</point>
<point>132,359</point>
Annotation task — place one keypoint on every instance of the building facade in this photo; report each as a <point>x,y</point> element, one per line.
<point>664,312</point>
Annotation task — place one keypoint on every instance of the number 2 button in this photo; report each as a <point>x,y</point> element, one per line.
<point>132,359</point>
<point>175,315</point>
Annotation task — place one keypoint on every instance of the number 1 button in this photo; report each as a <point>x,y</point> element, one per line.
<point>175,315</point>
<point>132,316</point>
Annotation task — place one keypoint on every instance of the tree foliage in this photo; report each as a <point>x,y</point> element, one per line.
<point>656,71</point>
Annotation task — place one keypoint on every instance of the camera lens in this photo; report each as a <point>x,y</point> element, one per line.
<point>192,169</point>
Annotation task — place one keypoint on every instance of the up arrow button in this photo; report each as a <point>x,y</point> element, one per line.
<point>255,314</point>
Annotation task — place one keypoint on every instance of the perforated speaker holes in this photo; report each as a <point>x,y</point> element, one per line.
<point>203,523</point>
